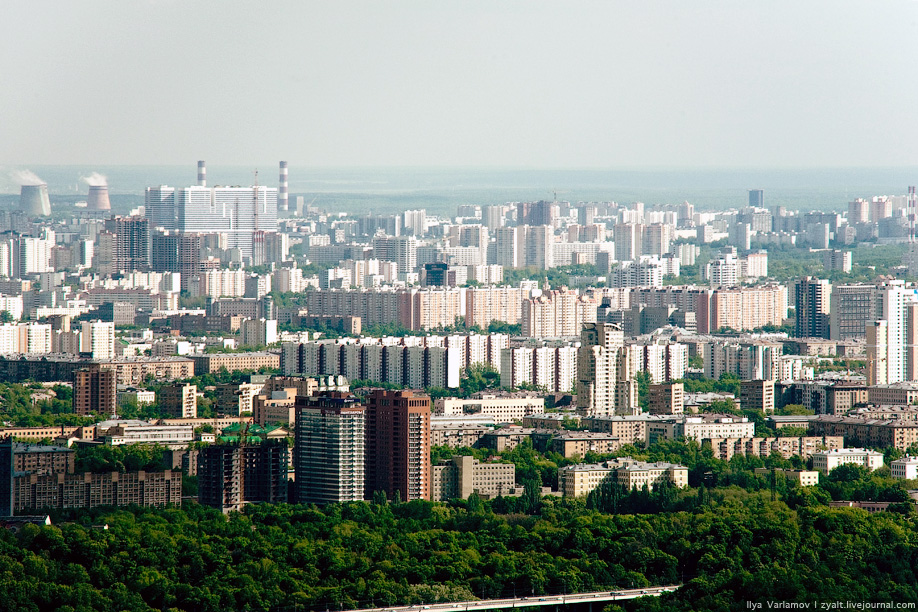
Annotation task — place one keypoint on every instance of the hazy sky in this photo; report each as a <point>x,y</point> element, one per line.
<point>475,83</point>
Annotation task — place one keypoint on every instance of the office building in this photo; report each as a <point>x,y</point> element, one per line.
<point>238,213</point>
<point>329,455</point>
<point>398,445</point>
<point>581,479</point>
<point>905,468</point>
<point>850,308</point>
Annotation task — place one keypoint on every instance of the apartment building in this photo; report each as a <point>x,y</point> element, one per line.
<point>463,475</point>
<point>503,408</point>
<point>33,492</point>
<point>875,433</point>
<point>235,362</point>
<point>726,448</point>
<point>230,476</point>
<point>179,400</point>
<point>398,444</point>
<point>581,479</point>
<point>557,313</point>
<point>329,456</point>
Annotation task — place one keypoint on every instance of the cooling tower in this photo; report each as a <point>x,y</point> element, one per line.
<point>98,198</point>
<point>282,187</point>
<point>202,174</point>
<point>33,200</point>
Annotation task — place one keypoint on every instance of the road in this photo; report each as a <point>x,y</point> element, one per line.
<point>528,602</point>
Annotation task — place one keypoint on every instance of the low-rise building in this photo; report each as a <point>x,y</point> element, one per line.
<point>506,438</point>
<point>117,433</point>
<point>235,362</point>
<point>140,397</point>
<point>579,480</point>
<point>804,478</point>
<point>726,448</point>
<point>826,461</point>
<point>579,443</point>
<point>504,408</point>
<point>458,432</point>
<point>893,394</point>
<point>275,407</point>
<point>553,420</point>
<point>463,475</point>
<point>905,468</point>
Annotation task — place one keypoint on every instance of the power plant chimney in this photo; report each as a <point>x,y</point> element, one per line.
<point>202,174</point>
<point>98,198</point>
<point>34,201</point>
<point>282,188</point>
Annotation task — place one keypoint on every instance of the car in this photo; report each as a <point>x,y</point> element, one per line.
<point>643,592</point>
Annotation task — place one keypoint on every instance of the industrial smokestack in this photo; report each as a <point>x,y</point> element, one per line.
<point>282,188</point>
<point>202,174</point>
<point>34,201</point>
<point>98,198</point>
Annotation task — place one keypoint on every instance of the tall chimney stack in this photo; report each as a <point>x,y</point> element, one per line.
<point>282,188</point>
<point>202,174</point>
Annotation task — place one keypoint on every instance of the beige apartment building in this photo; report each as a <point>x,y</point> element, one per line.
<point>726,448</point>
<point>579,480</point>
<point>486,304</point>
<point>235,362</point>
<point>463,475</point>
<point>804,478</point>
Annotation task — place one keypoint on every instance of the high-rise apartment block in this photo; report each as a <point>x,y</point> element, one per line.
<point>812,307</point>
<point>94,391</point>
<point>179,400</point>
<point>557,313</point>
<point>398,444</point>
<point>97,339</point>
<point>231,475</point>
<point>131,247</point>
<point>329,455</point>
<point>604,386</point>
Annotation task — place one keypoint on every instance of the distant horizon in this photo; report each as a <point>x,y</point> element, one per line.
<point>391,189</point>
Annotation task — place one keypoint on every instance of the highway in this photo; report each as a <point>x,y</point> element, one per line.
<point>528,602</point>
